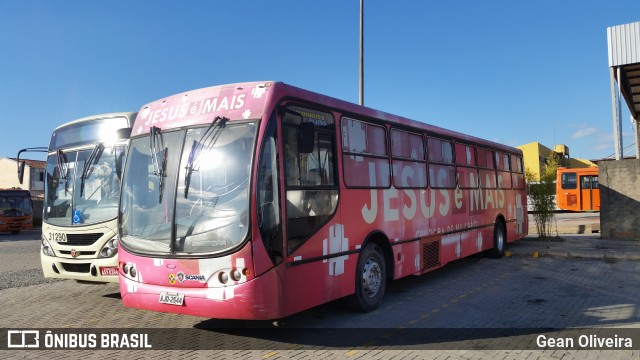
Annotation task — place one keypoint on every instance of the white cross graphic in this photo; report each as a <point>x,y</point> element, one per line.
<point>334,244</point>
<point>258,91</point>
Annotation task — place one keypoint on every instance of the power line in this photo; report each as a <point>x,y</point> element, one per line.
<point>627,147</point>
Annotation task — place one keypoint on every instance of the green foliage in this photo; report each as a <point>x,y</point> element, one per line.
<point>542,195</point>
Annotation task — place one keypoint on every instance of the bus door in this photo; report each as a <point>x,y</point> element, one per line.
<point>589,193</point>
<point>310,202</point>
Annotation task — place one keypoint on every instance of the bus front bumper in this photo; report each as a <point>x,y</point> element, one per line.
<point>16,227</point>
<point>257,299</point>
<point>103,270</point>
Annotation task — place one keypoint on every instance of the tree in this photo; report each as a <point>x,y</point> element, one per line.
<point>542,195</point>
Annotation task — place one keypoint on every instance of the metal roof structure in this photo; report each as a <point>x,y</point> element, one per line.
<point>624,62</point>
<point>624,52</point>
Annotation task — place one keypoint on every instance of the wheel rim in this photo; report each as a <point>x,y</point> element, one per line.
<point>371,277</point>
<point>500,239</point>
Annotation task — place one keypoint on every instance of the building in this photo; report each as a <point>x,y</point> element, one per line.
<point>34,175</point>
<point>619,180</point>
<point>535,156</point>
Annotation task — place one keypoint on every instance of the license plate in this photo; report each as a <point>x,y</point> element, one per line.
<point>109,271</point>
<point>171,298</point>
<point>58,237</point>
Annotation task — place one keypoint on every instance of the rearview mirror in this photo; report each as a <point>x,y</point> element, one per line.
<point>306,138</point>
<point>123,133</point>
<point>21,171</point>
<point>21,164</point>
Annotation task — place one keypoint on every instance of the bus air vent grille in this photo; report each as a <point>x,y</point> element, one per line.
<point>83,239</point>
<point>76,268</point>
<point>431,255</point>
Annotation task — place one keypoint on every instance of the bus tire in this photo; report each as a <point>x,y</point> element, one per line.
<point>499,240</point>
<point>15,232</point>
<point>371,280</point>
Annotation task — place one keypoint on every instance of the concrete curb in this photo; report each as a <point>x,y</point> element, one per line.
<point>569,229</point>
<point>578,255</point>
<point>577,247</point>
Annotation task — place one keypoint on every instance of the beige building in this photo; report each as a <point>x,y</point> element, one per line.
<point>535,155</point>
<point>34,175</point>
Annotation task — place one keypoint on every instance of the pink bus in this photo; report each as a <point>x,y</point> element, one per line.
<point>260,200</point>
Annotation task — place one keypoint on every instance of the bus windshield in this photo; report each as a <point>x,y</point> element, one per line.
<point>187,191</point>
<point>15,204</point>
<point>72,200</point>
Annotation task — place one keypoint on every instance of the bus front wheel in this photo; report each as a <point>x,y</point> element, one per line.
<point>371,280</point>
<point>499,240</point>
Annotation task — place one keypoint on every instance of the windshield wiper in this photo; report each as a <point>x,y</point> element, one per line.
<point>208,140</point>
<point>62,164</point>
<point>158,167</point>
<point>63,169</point>
<point>87,170</point>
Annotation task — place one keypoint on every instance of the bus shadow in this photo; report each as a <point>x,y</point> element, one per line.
<point>334,326</point>
<point>115,295</point>
<point>309,319</point>
<point>263,335</point>
<point>529,289</point>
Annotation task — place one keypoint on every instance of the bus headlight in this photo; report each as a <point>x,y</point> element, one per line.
<point>129,270</point>
<point>110,248</point>
<point>236,275</point>
<point>46,248</point>
<point>223,277</point>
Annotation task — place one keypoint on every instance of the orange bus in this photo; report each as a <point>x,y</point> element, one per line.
<point>16,210</point>
<point>577,189</point>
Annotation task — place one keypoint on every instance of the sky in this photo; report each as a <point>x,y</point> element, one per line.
<point>509,71</point>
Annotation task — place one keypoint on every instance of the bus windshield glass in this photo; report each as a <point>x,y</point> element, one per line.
<point>15,204</point>
<point>70,199</point>
<point>187,191</point>
<point>87,133</point>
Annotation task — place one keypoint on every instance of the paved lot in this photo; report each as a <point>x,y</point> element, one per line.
<point>474,308</point>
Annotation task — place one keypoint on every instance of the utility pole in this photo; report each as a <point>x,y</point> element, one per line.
<point>616,108</point>
<point>361,52</point>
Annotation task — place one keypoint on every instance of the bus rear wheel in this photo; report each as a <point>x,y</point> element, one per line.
<point>371,280</point>
<point>499,241</point>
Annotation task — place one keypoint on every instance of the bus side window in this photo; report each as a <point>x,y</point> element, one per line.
<point>442,173</point>
<point>408,162</point>
<point>569,180</point>
<point>365,160</point>
<point>486,169</point>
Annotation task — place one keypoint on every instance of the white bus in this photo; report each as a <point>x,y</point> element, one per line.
<point>79,221</point>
